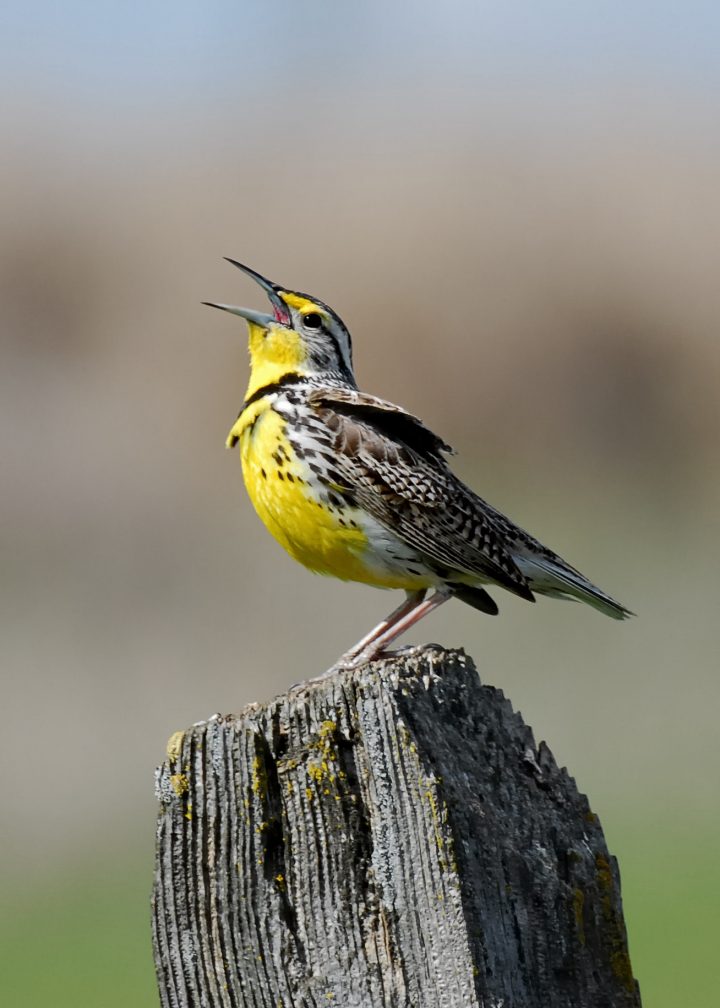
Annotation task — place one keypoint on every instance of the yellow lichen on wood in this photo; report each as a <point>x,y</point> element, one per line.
<point>259,778</point>
<point>322,767</point>
<point>438,812</point>
<point>180,784</point>
<point>614,929</point>
<point>174,746</point>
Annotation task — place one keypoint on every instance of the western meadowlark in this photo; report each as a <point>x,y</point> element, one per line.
<point>357,488</point>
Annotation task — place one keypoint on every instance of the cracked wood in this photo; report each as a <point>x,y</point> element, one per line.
<point>390,837</point>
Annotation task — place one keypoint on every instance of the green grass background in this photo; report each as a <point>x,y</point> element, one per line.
<point>76,940</point>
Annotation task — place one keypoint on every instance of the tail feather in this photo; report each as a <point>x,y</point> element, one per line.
<point>548,577</point>
<point>476,597</point>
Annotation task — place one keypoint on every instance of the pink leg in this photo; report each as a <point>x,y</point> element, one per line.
<point>379,642</point>
<point>350,658</point>
<point>413,599</point>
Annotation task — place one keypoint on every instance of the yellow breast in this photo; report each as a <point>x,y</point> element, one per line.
<point>281,489</point>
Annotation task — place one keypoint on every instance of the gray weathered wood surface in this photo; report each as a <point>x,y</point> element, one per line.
<point>389,837</point>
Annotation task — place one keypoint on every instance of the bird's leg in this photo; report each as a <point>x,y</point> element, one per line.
<point>376,643</point>
<point>349,659</point>
<point>411,602</point>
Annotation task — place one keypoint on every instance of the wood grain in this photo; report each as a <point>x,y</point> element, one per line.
<point>391,836</point>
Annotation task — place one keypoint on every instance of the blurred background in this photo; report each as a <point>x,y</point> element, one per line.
<point>515,209</point>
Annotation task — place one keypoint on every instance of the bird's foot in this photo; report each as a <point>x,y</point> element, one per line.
<point>407,651</point>
<point>343,664</point>
<point>350,661</point>
<point>385,654</point>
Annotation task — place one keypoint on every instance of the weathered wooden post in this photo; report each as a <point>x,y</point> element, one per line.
<point>388,837</point>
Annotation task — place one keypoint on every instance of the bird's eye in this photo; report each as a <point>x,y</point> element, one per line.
<point>312,320</point>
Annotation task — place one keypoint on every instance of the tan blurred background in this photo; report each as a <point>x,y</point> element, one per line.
<point>516,211</point>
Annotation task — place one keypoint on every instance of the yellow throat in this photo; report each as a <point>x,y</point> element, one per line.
<point>274,353</point>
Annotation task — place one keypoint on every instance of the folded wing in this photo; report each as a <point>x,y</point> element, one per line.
<point>392,466</point>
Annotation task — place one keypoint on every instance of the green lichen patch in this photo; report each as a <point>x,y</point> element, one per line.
<point>578,901</point>
<point>613,923</point>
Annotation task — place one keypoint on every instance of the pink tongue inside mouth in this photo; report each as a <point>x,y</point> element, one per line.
<point>281,316</point>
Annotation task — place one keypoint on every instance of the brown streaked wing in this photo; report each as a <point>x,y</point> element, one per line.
<point>392,419</point>
<point>410,490</point>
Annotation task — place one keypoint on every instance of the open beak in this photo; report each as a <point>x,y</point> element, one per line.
<point>280,313</point>
<point>259,318</point>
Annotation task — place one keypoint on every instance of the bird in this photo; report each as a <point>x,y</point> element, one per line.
<point>355,487</point>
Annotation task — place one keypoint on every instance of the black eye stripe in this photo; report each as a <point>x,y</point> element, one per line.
<point>336,344</point>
